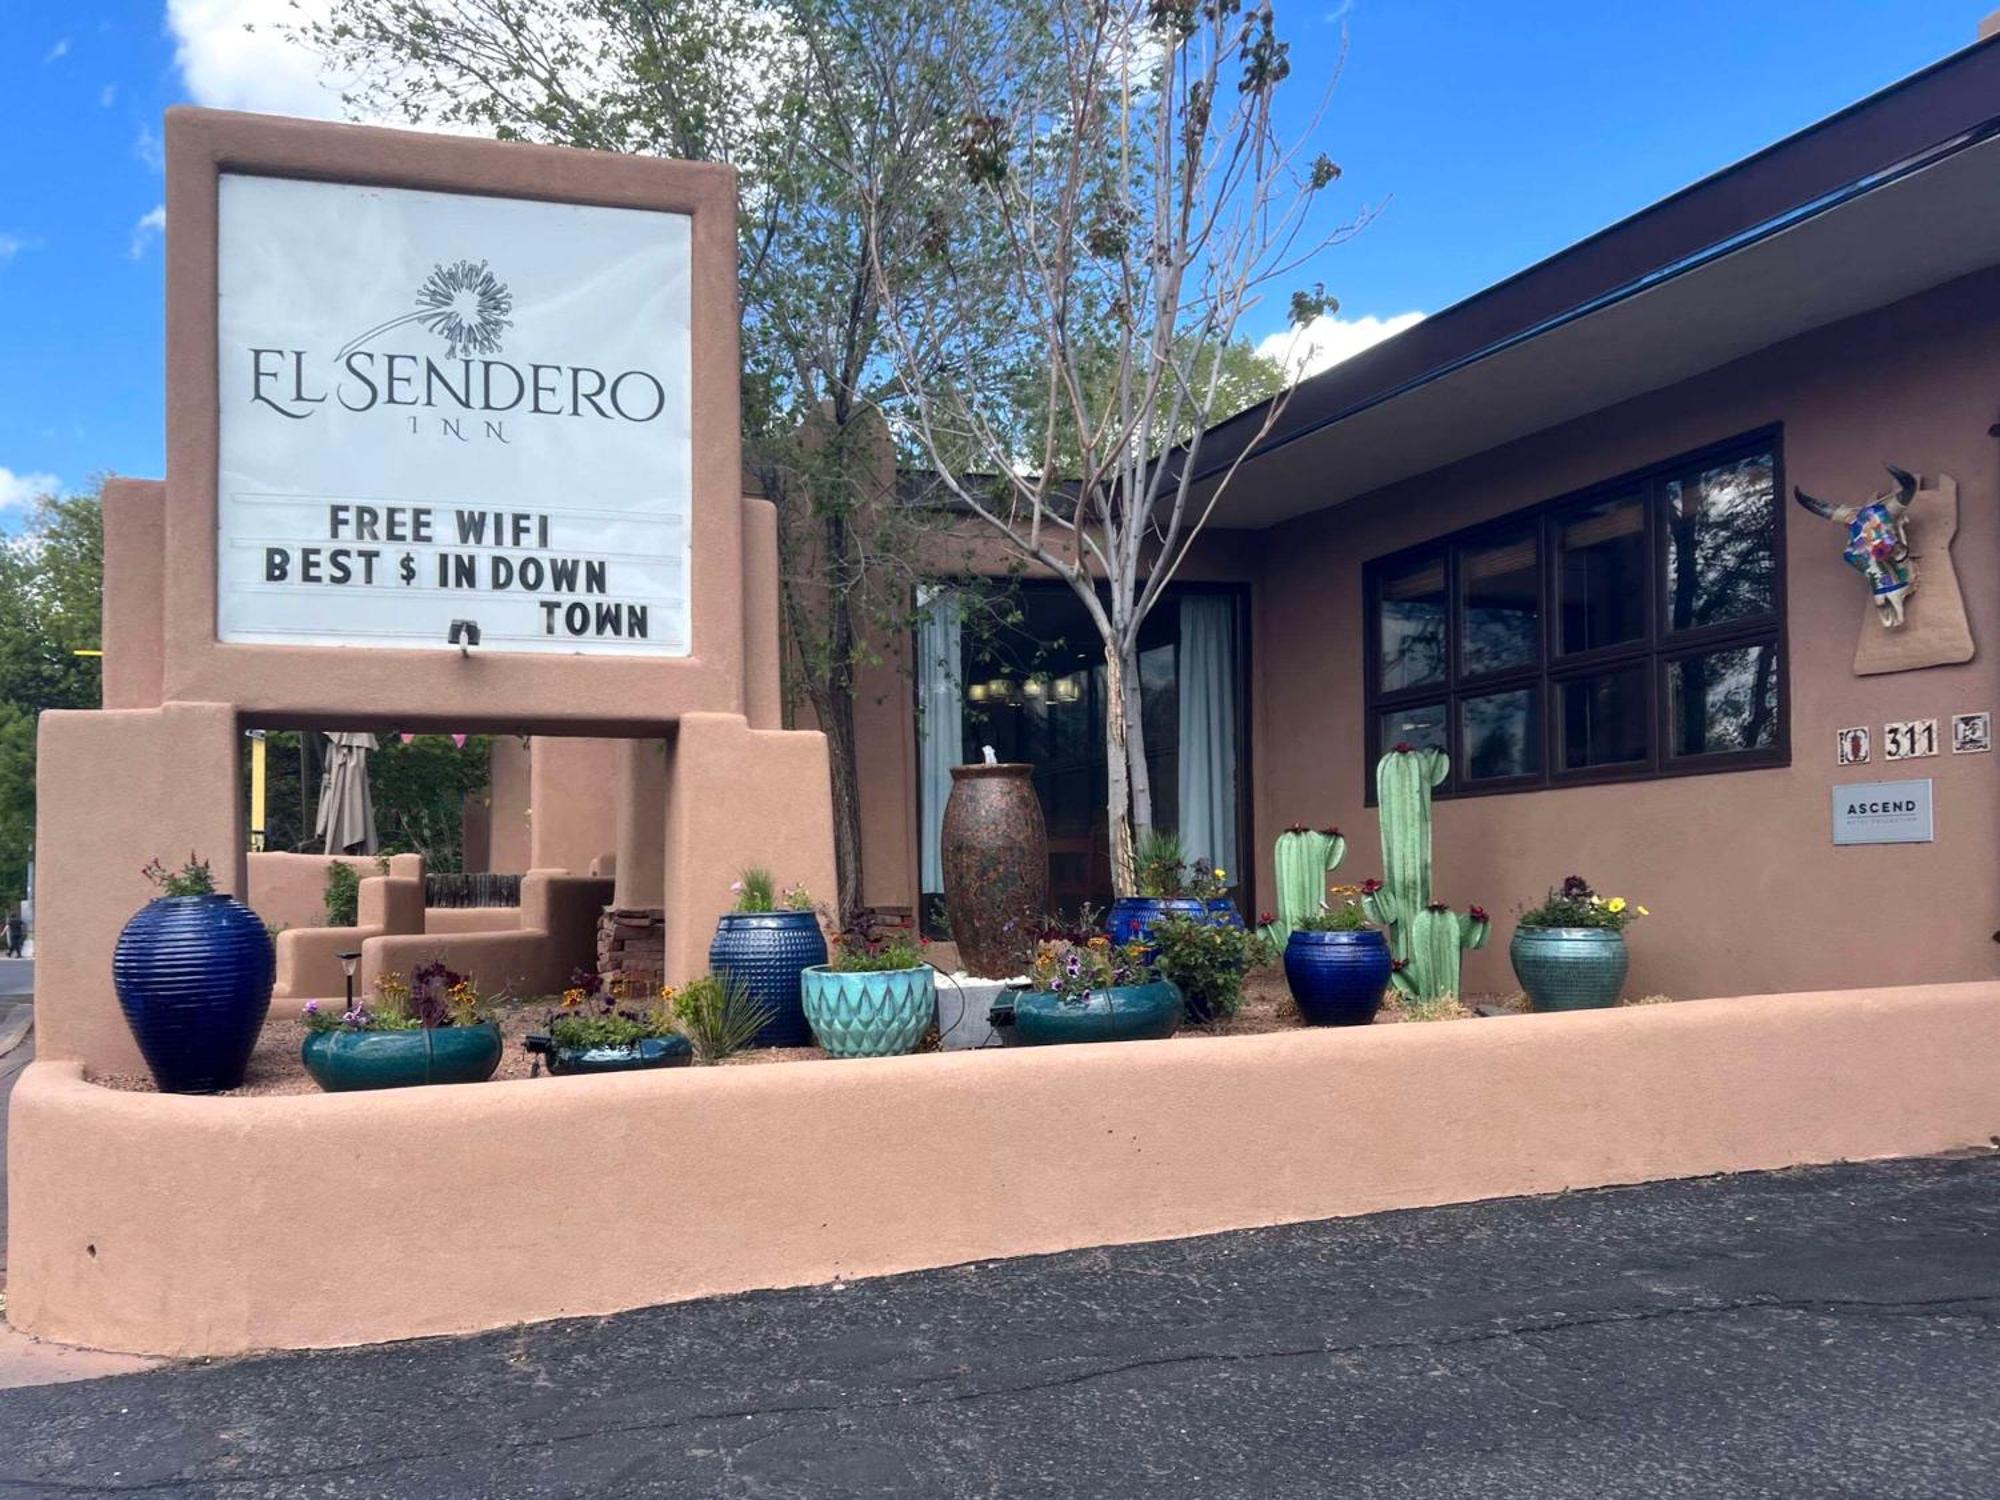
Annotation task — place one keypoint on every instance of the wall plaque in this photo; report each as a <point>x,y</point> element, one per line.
<point>1882,812</point>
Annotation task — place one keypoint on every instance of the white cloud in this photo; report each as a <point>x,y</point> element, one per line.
<point>12,245</point>
<point>18,491</point>
<point>107,96</point>
<point>58,51</point>
<point>152,222</point>
<point>234,54</point>
<point>150,149</point>
<point>1328,340</point>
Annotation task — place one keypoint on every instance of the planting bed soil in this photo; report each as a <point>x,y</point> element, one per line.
<point>275,1066</point>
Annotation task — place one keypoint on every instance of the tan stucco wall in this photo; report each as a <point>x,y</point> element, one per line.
<point>573,797</point>
<point>1747,891</point>
<point>174,1225</point>
<point>509,787</point>
<point>289,890</point>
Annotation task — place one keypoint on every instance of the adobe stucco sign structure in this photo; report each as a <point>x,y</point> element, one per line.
<point>453,442</point>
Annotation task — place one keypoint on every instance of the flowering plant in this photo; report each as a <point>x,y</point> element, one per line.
<point>1341,910</point>
<point>1074,970</point>
<point>1207,961</point>
<point>757,890</point>
<point>434,996</point>
<point>596,1012</point>
<point>1575,904</point>
<point>865,948</point>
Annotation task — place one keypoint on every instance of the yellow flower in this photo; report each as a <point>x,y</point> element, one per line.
<point>573,998</point>
<point>1616,903</point>
<point>1220,872</point>
<point>667,992</point>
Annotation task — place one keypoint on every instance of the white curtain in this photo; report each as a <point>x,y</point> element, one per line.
<point>940,721</point>
<point>1208,729</point>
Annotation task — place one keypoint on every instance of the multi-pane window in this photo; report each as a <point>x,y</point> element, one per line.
<point>1634,630</point>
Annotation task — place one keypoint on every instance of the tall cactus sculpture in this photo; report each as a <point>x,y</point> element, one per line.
<point>1427,938</point>
<point>1304,857</point>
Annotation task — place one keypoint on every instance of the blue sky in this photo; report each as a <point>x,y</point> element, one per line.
<point>1492,135</point>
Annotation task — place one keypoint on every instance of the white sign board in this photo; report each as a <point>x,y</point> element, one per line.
<point>1882,812</point>
<point>439,407</point>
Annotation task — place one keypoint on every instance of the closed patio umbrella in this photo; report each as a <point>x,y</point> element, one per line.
<point>346,809</point>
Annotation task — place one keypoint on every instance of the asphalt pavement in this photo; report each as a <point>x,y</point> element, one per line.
<point>1824,1332</point>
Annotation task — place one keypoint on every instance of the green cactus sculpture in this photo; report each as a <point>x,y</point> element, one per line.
<point>1426,937</point>
<point>1304,857</point>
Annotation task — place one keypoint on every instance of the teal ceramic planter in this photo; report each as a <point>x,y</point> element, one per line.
<point>1119,1013</point>
<point>1569,968</point>
<point>340,1061</point>
<point>647,1052</point>
<point>879,1014</point>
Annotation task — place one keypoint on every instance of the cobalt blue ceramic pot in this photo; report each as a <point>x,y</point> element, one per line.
<point>1133,917</point>
<point>1337,978</point>
<point>194,976</point>
<point>342,1061</point>
<point>1117,1013</point>
<point>767,951</point>
<point>1223,913</point>
<point>1569,968</point>
<point>869,1013</point>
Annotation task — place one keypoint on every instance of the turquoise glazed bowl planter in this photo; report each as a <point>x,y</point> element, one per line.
<point>1119,1013</point>
<point>647,1052</point>
<point>878,1014</point>
<point>1569,968</point>
<point>341,1061</point>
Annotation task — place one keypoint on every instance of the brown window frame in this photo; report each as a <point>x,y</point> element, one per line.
<point>1655,650</point>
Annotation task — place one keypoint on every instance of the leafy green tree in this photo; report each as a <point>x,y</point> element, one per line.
<point>787,92</point>
<point>51,575</point>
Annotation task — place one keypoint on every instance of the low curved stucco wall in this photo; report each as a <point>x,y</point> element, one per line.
<point>471,918</point>
<point>174,1225</point>
<point>289,890</point>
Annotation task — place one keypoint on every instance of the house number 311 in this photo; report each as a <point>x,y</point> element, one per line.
<point>1912,739</point>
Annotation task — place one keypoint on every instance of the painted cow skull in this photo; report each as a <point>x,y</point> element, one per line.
<point>1877,543</point>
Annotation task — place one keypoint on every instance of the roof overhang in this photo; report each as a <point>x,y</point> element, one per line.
<point>1888,239</point>
<point>1893,195</point>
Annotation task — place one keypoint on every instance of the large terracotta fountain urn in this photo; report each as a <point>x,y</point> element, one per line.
<point>996,867</point>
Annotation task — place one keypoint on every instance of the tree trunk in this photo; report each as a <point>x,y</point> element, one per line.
<point>1118,772</point>
<point>1135,747</point>
<point>839,728</point>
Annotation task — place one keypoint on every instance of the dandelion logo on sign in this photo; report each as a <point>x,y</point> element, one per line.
<point>463,303</point>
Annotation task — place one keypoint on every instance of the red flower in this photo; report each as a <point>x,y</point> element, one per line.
<point>1403,747</point>
<point>1397,965</point>
<point>1440,906</point>
<point>1332,833</point>
<point>1370,886</point>
<point>1479,914</point>
<point>1266,918</point>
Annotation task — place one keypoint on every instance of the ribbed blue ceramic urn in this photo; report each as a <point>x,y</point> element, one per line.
<point>1337,978</point>
<point>1569,968</point>
<point>1117,1013</point>
<point>194,975</point>
<point>767,951</point>
<point>878,1014</point>
<point>1132,918</point>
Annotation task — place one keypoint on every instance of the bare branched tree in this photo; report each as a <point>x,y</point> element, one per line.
<point>1123,201</point>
